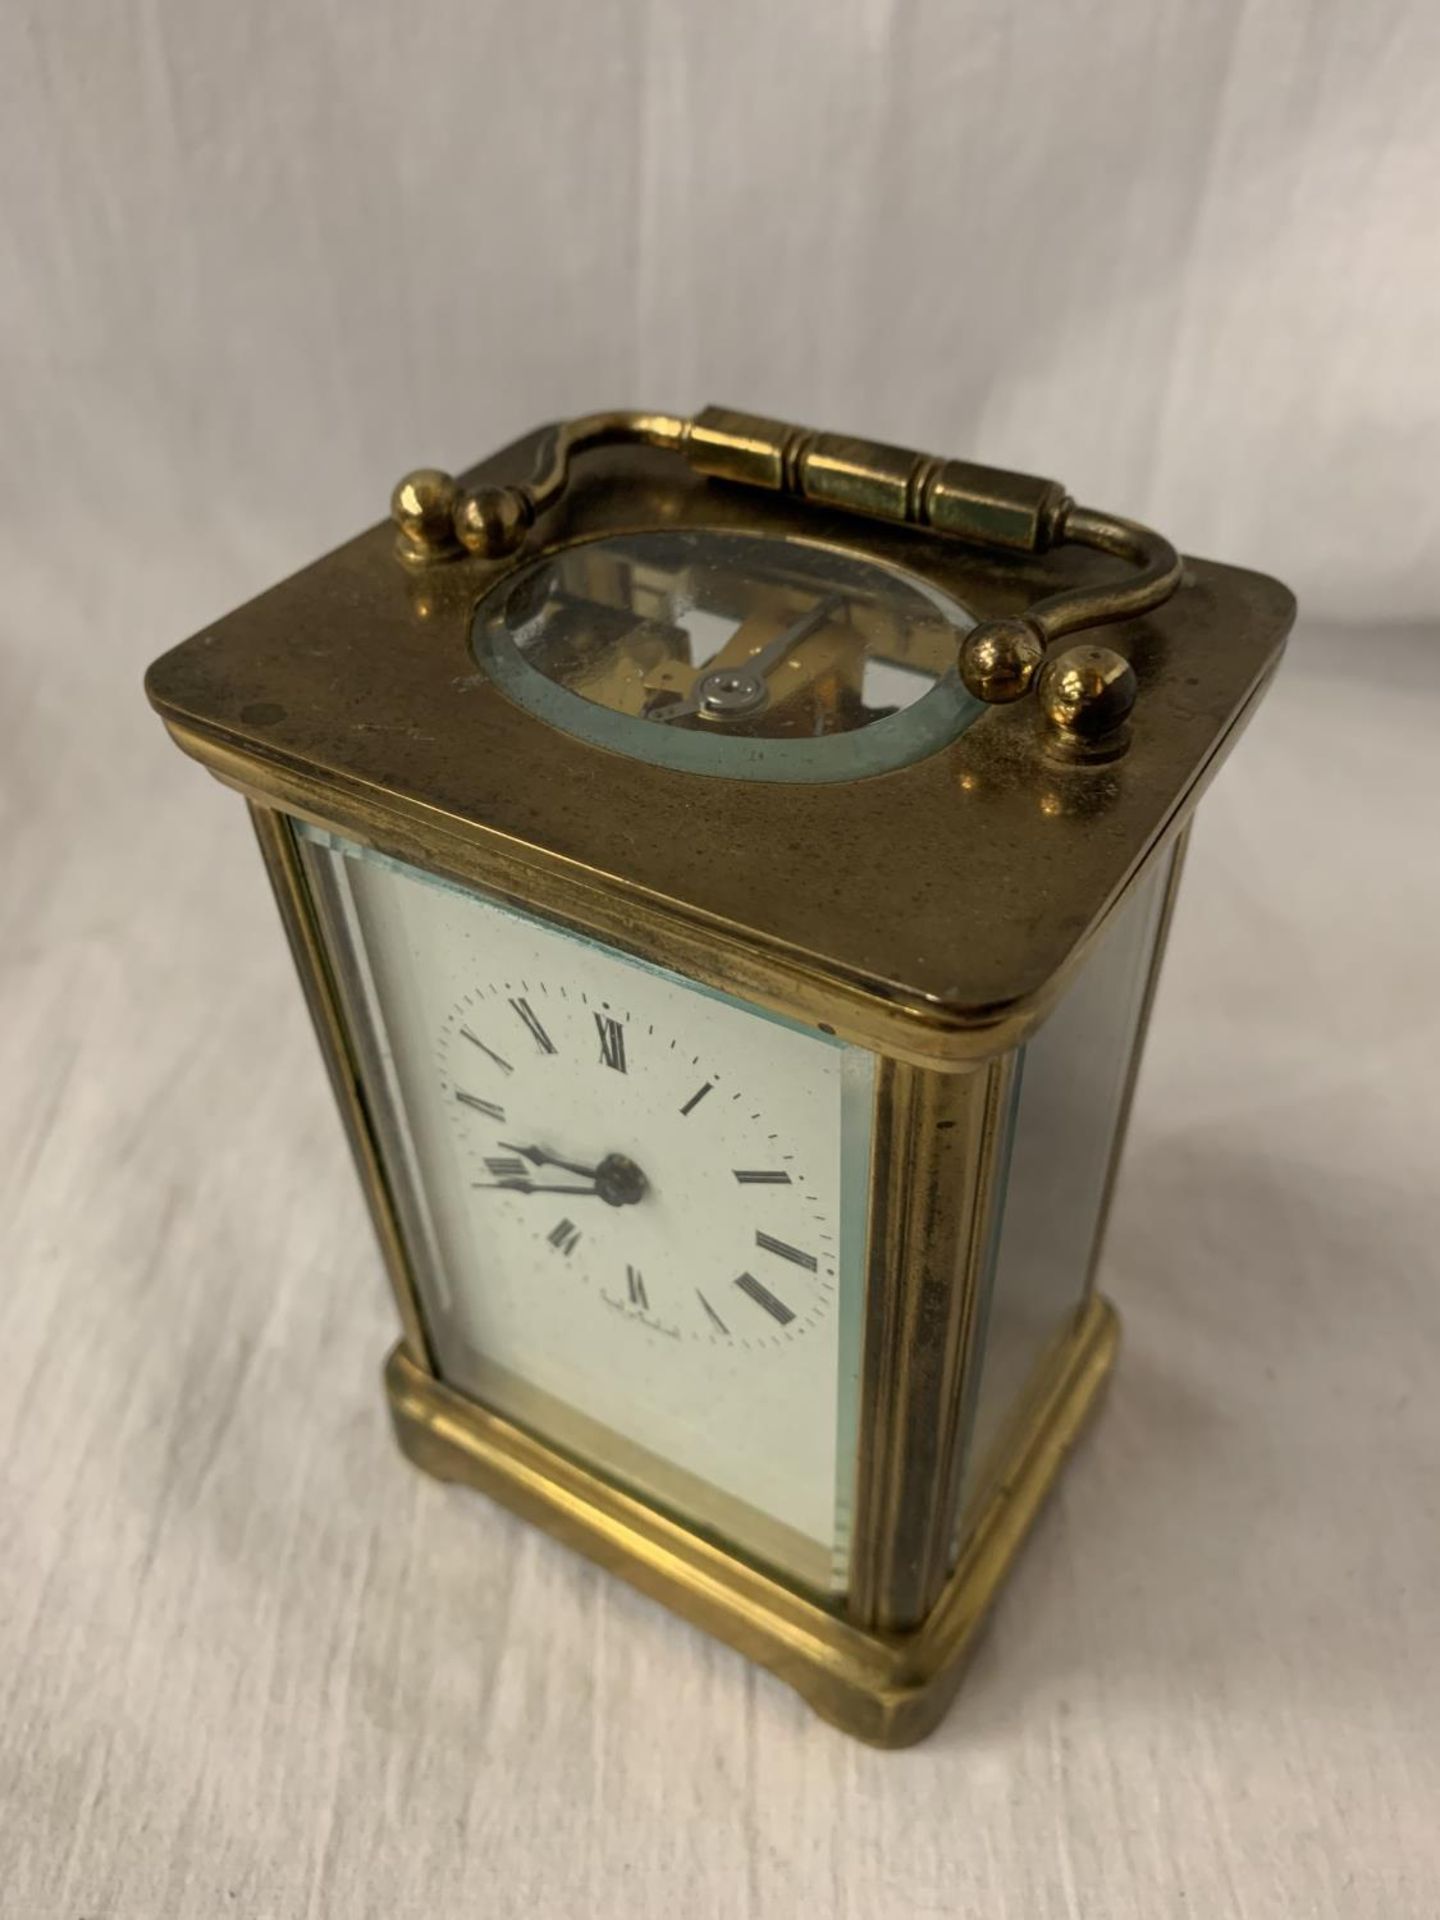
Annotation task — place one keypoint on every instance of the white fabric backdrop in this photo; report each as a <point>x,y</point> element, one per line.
<point>255,261</point>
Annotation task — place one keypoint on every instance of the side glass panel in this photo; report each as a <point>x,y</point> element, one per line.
<point>635,1209</point>
<point>1066,1107</point>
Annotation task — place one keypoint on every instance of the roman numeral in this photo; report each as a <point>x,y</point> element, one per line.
<point>476,1041</point>
<point>506,1168</point>
<point>487,1107</point>
<point>762,1179</point>
<point>612,1041</point>
<point>565,1236</point>
<point>711,1311</point>
<point>787,1252</point>
<point>762,1296</point>
<point>537,1033</point>
<point>695,1099</point>
<point>636,1288</point>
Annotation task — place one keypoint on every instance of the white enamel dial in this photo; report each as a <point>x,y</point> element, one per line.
<point>635,1207</point>
<point>617,1171</point>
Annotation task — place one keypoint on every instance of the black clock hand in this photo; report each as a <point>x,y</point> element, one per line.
<point>538,1157</point>
<point>618,1181</point>
<point>534,1186</point>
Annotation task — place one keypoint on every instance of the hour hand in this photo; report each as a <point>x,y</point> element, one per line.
<point>538,1157</point>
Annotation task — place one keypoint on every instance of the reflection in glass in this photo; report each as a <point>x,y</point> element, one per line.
<point>1066,1108</point>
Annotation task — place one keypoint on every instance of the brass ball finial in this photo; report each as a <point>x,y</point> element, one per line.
<point>491,521</point>
<point>999,659</point>
<point>1086,696</point>
<point>423,509</point>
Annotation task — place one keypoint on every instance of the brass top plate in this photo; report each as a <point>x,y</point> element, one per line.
<point>932,911</point>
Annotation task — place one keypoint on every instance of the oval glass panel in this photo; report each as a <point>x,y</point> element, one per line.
<point>744,655</point>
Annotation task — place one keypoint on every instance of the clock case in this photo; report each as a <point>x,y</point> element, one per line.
<point>932,914</point>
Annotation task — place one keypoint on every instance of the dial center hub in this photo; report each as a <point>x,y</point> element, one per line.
<point>619,1182</point>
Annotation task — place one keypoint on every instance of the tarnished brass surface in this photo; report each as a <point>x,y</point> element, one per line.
<point>886,1688</point>
<point>1087,695</point>
<point>932,913</point>
<point>999,660</point>
<point>980,504</point>
<point>423,509</point>
<point>932,1193</point>
<point>986,506</point>
<point>934,1140</point>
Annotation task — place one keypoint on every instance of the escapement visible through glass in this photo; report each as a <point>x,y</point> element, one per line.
<point>729,638</point>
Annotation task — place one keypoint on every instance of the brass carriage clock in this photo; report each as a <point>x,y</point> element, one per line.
<point>730,904</point>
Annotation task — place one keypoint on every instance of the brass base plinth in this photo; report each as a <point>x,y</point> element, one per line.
<point>888,1689</point>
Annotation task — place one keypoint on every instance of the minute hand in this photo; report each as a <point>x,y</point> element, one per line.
<point>522,1185</point>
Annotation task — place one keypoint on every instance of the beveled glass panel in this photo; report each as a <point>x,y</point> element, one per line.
<point>635,1210</point>
<point>748,655</point>
<point>1066,1107</point>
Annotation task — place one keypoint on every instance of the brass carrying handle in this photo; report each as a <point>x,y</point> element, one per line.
<point>1087,693</point>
